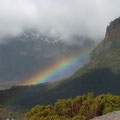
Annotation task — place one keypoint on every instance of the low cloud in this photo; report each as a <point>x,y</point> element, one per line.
<point>65,18</point>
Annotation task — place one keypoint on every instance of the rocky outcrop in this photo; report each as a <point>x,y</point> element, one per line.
<point>110,116</point>
<point>107,53</point>
<point>112,39</point>
<point>113,30</point>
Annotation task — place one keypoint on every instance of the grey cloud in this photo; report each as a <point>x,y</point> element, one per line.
<point>60,17</point>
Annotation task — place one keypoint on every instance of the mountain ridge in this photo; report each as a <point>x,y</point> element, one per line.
<point>100,75</point>
<point>23,56</point>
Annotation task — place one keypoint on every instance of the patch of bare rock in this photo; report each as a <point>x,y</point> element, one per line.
<point>109,116</point>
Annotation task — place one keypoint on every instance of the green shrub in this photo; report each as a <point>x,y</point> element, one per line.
<point>109,103</point>
<point>39,111</point>
<point>91,107</point>
<point>80,108</point>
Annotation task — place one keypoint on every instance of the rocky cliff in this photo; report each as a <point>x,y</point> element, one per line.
<point>107,53</point>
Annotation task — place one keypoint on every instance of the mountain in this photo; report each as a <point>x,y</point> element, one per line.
<point>101,74</point>
<point>26,54</point>
<point>107,53</point>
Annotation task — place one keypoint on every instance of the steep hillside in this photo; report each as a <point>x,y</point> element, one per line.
<point>107,53</point>
<point>101,75</point>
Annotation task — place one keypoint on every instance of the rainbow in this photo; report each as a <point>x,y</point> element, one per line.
<point>63,66</point>
<point>58,68</point>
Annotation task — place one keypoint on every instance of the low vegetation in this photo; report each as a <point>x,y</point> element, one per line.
<point>13,113</point>
<point>81,108</point>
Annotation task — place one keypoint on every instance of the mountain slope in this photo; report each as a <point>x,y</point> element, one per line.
<point>101,75</point>
<point>107,54</point>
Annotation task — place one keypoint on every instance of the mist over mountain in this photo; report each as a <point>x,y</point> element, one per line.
<point>58,49</point>
<point>36,33</point>
<point>31,52</point>
<point>64,18</point>
<point>101,74</point>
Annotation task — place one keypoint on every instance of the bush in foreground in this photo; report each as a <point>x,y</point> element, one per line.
<point>81,108</point>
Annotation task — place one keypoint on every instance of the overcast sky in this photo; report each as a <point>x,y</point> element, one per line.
<point>64,17</point>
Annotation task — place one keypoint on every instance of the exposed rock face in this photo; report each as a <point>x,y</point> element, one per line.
<point>110,116</point>
<point>112,37</point>
<point>107,53</point>
<point>113,30</point>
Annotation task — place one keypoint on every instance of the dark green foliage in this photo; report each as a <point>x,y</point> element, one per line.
<point>99,81</point>
<point>80,108</point>
<point>109,103</point>
<point>90,107</point>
